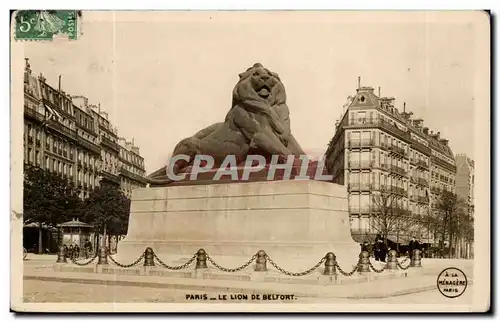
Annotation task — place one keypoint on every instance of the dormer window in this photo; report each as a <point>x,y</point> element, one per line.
<point>362,99</point>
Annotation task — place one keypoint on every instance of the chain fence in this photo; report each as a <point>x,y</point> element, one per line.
<point>202,257</point>
<point>114,261</point>
<point>231,270</point>
<point>309,271</point>
<point>73,260</point>
<point>347,273</point>
<point>400,264</point>
<point>374,269</point>
<point>175,268</point>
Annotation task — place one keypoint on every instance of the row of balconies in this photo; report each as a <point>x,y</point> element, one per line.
<point>391,128</point>
<point>371,210</point>
<point>367,143</point>
<point>419,181</point>
<point>368,186</point>
<point>419,199</point>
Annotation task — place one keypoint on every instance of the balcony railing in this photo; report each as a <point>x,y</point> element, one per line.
<point>110,144</point>
<point>436,190</point>
<point>34,114</point>
<point>360,186</point>
<point>361,143</point>
<point>379,122</point>
<point>399,191</point>
<point>422,164</point>
<point>398,170</point>
<point>89,145</point>
<point>359,210</point>
<point>365,164</point>
<point>62,129</point>
<point>422,182</point>
<point>421,199</point>
<point>397,150</point>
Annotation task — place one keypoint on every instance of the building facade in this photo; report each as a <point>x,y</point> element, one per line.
<point>465,192</point>
<point>382,154</point>
<point>65,134</point>
<point>132,171</point>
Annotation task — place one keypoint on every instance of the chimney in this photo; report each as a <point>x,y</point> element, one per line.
<point>359,82</point>
<point>443,142</point>
<point>59,88</point>
<point>379,91</point>
<point>417,123</point>
<point>426,130</point>
<point>437,135</point>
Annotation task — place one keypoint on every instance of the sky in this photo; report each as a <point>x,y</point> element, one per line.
<point>163,76</point>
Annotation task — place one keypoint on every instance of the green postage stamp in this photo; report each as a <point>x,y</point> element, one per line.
<point>45,24</point>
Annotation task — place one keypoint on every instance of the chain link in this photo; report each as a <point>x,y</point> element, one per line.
<point>231,270</point>
<point>126,265</point>
<point>404,261</point>
<point>73,260</point>
<point>295,274</point>
<point>175,268</point>
<point>376,270</point>
<point>344,272</point>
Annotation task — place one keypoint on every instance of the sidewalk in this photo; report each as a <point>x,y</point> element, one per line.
<point>371,290</point>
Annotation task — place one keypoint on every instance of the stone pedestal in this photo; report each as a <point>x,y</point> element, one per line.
<point>295,222</point>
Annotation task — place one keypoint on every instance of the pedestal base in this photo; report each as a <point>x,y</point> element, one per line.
<point>295,222</point>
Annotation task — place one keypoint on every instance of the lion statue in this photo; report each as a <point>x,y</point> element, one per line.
<point>258,123</point>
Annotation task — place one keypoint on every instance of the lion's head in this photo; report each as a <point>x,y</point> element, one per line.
<point>259,83</point>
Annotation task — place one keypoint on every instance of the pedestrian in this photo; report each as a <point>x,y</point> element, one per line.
<point>88,248</point>
<point>77,251</point>
<point>71,251</point>
<point>412,246</point>
<point>380,251</point>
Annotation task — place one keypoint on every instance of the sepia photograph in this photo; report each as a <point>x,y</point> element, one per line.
<point>250,161</point>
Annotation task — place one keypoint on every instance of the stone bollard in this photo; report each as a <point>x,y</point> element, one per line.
<point>61,256</point>
<point>416,259</point>
<point>201,259</point>
<point>364,262</point>
<point>102,256</point>
<point>260,263</point>
<point>149,258</point>
<point>392,261</point>
<point>330,264</point>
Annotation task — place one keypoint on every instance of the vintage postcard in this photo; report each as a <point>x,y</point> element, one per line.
<point>250,161</point>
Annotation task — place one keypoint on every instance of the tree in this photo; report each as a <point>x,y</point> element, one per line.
<point>48,198</point>
<point>107,208</point>
<point>451,219</point>
<point>389,216</point>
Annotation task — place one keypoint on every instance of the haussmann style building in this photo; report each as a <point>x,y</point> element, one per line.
<point>378,150</point>
<point>67,135</point>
